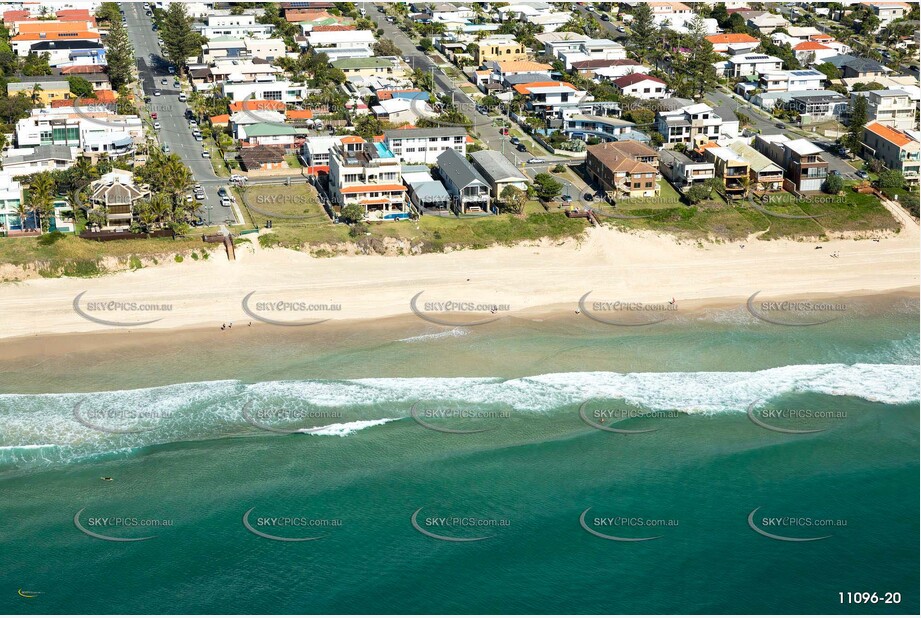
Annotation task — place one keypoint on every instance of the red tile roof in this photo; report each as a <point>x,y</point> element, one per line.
<point>635,78</point>
<point>526,88</point>
<point>889,134</point>
<point>726,39</point>
<point>809,46</point>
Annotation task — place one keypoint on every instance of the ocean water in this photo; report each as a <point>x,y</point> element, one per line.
<point>716,464</point>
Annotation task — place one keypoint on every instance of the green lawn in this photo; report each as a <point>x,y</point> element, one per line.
<point>73,256</point>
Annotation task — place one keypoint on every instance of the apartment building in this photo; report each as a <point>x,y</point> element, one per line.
<point>624,169</point>
<point>369,175</point>
<point>693,124</point>
<point>683,171</point>
<point>890,107</point>
<point>425,145</point>
<point>898,150</point>
<point>25,161</point>
<point>804,168</point>
<point>499,47</point>
<point>90,131</point>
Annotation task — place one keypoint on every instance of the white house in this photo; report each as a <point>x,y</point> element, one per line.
<point>238,26</point>
<point>278,90</point>
<point>641,86</point>
<point>90,131</point>
<point>749,64</point>
<point>788,81</point>
<point>424,145</point>
<point>342,44</point>
<point>592,49</point>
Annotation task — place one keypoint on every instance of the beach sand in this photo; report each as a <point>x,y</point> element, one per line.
<point>544,277</point>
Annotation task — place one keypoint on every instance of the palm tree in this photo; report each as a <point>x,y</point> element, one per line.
<point>41,198</point>
<point>36,94</point>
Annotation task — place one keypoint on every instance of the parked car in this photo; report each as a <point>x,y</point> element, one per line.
<point>182,96</point>
<point>605,17</point>
<point>522,148</point>
<point>621,29</point>
<point>196,222</point>
<point>193,122</point>
<point>156,93</point>
<point>166,148</point>
<point>567,199</point>
<point>163,82</point>
<point>153,115</point>
<point>514,140</point>
<point>198,137</point>
<point>862,174</point>
<point>226,202</point>
<point>157,126</point>
<point>205,154</point>
<point>171,69</point>
<point>780,125</point>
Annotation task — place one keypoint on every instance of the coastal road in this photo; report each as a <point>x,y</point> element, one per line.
<point>484,127</point>
<point>174,131</point>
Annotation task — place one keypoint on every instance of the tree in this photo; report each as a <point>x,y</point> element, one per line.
<point>368,126</point>
<point>108,12</point>
<point>426,44</point>
<point>179,39</point>
<point>547,186</point>
<point>697,193</point>
<point>513,199</point>
<point>386,47</point>
<point>80,87</point>
<point>863,87</point>
<point>833,184</point>
<point>696,74</point>
<point>41,198</point>
<point>36,64</point>
<point>856,124</point>
<point>831,71</point>
<point>891,179</point>
<point>119,55</point>
<point>352,213</point>
<point>643,31</point>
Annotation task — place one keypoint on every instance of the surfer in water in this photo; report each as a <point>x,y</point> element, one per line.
<point>107,478</point>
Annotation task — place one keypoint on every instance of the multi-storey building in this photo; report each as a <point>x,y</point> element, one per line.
<point>804,168</point>
<point>626,169</point>
<point>692,125</point>
<point>425,145</point>
<point>890,107</point>
<point>898,150</point>
<point>367,174</point>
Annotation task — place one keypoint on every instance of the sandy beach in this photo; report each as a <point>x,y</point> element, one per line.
<point>542,277</point>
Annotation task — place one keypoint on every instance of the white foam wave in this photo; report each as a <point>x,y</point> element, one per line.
<point>43,428</point>
<point>454,332</point>
<point>345,429</point>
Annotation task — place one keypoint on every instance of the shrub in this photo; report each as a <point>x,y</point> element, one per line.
<point>833,184</point>
<point>178,258</point>
<point>46,240</point>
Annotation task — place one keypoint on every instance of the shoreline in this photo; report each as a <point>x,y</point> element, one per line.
<point>535,280</point>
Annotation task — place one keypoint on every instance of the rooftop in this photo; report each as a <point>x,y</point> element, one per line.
<point>890,134</point>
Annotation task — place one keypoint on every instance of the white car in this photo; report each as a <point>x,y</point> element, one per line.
<point>226,202</point>
<point>157,126</point>
<point>205,154</point>
<point>182,96</point>
<point>198,137</point>
<point>192,123</point>
<point>534,161</point>
<point>156,93</point>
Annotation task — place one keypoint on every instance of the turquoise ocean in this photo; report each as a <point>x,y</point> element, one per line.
<point>469,470</point>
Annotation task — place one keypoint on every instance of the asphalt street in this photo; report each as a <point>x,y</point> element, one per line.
<point>174,128</point>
